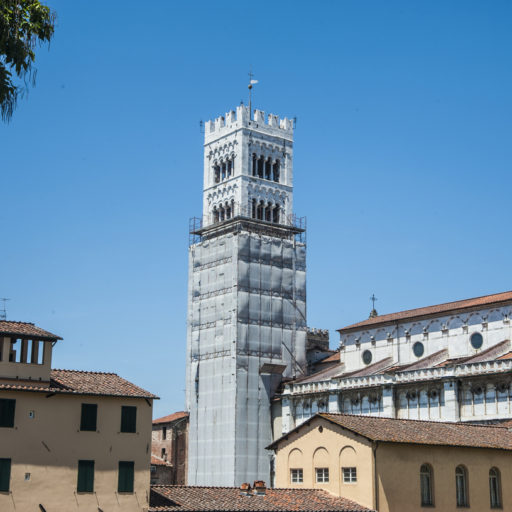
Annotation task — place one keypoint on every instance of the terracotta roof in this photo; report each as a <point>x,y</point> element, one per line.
<point>436,433</point>
<point>230,499</point>
<point>83,383</point>
<point>438,309</point>
<point>508,355</point>
<point>25,329</point>
<point>171,417</point>
<point>489,354</point>
<point>157,461</point>
<point>331,359</point>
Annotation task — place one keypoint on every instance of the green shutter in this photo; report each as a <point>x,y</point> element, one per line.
<point>85,480</point>
<point>89,416</point>
<point>5,474</point>
<point>7,408</point>
<point>126,473</point>
<point>128,418</point>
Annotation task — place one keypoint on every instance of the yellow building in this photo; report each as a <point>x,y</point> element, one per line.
<point>399,465</point>
<point>69,440</point>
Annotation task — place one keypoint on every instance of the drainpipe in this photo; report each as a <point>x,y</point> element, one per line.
<point>375,477</point>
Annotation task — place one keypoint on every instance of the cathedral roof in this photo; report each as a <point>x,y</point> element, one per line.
<point>438,309</point>
<point>432,433</point>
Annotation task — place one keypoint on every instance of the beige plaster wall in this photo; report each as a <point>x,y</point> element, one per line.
<point>398,468</point>
<point>25,371</point>
<point>49,446</point>
<point>332,448</point>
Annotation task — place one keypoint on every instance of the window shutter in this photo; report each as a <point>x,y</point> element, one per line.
<point>5,474</point>
<point>126,474</point>
<point>85,480</point>
<point>7,408</point>
<point>89,417</point>
<point>128,418</point>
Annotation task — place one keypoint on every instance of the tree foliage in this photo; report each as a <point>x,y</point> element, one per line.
<point>23,25</point>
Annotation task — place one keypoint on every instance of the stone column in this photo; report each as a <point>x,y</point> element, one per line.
<point>450,409</point>
<point>333,405</point>
<point>388,402</point>
<point>286,415</point>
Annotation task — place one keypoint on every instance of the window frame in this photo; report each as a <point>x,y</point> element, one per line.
<point>351,471</point>
<point>5,474</point>
<point>461,475</point>
<point>324,479</point>
<point>7,418</point>
<point>496,503</point>
<point>427,470</point>
<point>126,419</point>
<point>83,422</point>
<point>123,466</point>
<point>84,480</point>
<point>297,478</point>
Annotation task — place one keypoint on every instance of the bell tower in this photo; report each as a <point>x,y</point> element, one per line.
<point>246,326</point>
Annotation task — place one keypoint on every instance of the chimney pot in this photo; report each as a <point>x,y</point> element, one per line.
<point>259,487</point>
<point>245,489</point>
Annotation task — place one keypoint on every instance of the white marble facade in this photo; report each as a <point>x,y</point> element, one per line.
<point>450,362</point>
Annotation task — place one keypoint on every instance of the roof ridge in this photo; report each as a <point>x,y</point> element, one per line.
<point>84,371</point>
<point>17,322</point>
<point>456,423</point>
<point>375,319</point>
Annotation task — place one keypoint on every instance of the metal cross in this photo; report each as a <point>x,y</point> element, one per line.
<point>373,299</point>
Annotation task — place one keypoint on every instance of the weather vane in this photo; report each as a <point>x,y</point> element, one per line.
<point>251,83</point>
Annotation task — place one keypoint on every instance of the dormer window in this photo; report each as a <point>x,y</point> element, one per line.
<point>26,351</point>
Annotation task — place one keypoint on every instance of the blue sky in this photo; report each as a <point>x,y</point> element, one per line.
<point>402,163</point>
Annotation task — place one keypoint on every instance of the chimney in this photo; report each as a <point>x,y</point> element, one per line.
<point>259,488</point>
<point>245,489</point>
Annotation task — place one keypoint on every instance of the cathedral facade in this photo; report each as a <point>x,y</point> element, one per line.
<point>448,362</point>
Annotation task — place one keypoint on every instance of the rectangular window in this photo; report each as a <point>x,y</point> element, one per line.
<point>322,475</point>
<point>7,408</point>
<point>126,473</point>
<point>88,417</point>
<point>128,418</point>
<point>85,480</point>
<point>5,474</point>
<point>349,475</point>
<point>164,433</point>
<point>296,476</point>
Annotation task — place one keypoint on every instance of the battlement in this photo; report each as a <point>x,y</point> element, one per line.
<point>241,118</point>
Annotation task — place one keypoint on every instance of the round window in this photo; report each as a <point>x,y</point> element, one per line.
<point>418,349</point>
<point>367,357</point>
<point>476,340</point>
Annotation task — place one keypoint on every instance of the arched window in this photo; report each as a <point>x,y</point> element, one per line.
<point>275,214</point>
<point>426,485</point>
<point>276,170</point>
<point>268,212</point>
<point>215,215</point>
<point>268,168</point>
<point>495,487</point>
<point>261,162</point>
<point>216,171</point>
<point>253,208</point>
<point>254,164</point>
<point>461,486</point>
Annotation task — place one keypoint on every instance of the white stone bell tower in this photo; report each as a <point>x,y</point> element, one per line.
<point>246,297</point>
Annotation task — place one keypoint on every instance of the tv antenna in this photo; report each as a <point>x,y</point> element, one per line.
<point>3,310</point>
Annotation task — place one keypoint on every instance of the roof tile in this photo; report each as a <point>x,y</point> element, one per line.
<point>171,417</point>
<point>229,499</point>
<point>430,310</point>
<point>8,328</point>
<point>84,383</point>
